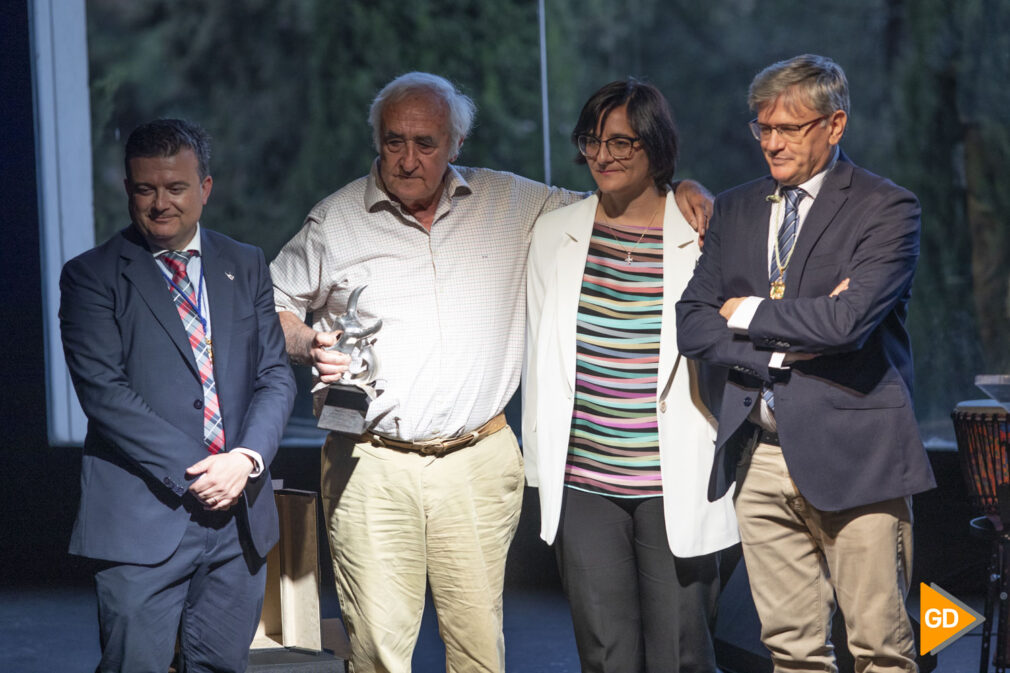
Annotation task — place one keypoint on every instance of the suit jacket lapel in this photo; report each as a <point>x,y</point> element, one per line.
<point>570,270</point>
<point>829,201</point>
<point>755,238</point>
<point>680,253</point>
<point>219,274</point>
<point>141,270</point>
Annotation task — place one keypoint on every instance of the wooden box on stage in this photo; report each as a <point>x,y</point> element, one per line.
<point>291,615</point>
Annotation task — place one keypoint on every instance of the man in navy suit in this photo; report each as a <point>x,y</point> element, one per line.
<point>803,291</point>
<point>178,360</point>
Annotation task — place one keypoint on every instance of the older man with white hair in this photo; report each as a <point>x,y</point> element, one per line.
<point>432,490</point>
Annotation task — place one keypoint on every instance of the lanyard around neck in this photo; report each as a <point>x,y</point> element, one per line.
<point>185,297</point>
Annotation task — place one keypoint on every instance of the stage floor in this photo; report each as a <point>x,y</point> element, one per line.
<point>44,629</point>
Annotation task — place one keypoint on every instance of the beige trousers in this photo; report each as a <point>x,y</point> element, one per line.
<point>397,519</point>
<point>801,560</point>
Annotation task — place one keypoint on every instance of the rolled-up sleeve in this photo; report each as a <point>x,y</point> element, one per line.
<point>298,271</point>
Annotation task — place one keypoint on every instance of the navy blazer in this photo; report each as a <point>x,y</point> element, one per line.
<point>845,418</point>
<point>137,381</point>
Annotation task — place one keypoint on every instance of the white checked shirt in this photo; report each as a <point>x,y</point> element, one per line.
<point>452,302</point>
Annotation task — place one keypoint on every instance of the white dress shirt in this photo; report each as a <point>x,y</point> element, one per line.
<point>740,321</point>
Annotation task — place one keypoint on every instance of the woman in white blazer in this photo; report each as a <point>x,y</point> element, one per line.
<point>615,435</point>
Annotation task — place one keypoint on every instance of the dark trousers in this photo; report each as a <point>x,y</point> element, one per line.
<point>635,606</point>
<point>208,593</point>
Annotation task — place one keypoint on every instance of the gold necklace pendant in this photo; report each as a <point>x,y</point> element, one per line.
<point>778,290</point>
<point>628,259</point>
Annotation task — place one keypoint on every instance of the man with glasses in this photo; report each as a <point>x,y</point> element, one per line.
<point>432,490</point>
<point>803,291</point>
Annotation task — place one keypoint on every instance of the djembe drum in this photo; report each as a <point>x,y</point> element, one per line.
<point>983,441</point>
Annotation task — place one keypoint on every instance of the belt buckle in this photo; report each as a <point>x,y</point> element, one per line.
<point>431,447</point>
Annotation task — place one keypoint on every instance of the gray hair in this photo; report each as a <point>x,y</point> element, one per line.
<point>462,109</point>
<point>816,81</point>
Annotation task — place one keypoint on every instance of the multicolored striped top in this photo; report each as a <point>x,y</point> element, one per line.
<point>614,443</point>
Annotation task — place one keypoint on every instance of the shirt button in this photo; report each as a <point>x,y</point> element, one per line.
<point>747,401</point>
<point>198,404</point>
<point>662,406</point>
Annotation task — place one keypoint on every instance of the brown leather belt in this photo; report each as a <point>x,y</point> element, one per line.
<point>438,447</point>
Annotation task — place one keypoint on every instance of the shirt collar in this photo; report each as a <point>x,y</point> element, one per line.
<point>376,195</point>
<point>194,244</point>
<point>813,186</point>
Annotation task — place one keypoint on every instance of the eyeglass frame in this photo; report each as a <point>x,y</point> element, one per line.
<point>789,132</point>
<point>582,143</point>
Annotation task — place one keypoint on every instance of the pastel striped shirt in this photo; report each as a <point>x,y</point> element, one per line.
<point>614,442</point>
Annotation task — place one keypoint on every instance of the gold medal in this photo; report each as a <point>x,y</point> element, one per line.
<point>778,287</point>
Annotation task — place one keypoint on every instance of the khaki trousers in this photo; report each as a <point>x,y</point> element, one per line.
<point>396,519</point>
<point>801,560</point>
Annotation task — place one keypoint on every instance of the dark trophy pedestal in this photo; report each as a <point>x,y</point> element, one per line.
<point>344,410</point>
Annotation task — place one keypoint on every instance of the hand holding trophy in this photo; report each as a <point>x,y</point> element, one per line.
<point>347,400</point>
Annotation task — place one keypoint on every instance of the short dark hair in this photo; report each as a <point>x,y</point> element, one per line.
<point>166,138</point>
<point>650,118</point>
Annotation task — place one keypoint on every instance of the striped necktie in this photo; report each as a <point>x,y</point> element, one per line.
<point>781,255</point>
<point>186,301</point>
<point>786,237</point>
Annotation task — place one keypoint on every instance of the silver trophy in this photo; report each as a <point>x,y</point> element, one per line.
<point>347,400</point>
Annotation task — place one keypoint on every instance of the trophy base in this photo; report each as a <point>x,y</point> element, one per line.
<point>344,410</point>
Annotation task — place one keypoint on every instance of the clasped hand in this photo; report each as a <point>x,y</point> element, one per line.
<point>222,477</point>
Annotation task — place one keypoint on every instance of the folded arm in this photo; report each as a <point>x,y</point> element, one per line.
<point>880,274</point>
<point>702,332</point>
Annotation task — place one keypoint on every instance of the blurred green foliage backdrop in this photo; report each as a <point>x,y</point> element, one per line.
<point>284,86</point>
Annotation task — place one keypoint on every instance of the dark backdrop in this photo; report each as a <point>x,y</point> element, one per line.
<point>38,500</point>
<point>39,496</point>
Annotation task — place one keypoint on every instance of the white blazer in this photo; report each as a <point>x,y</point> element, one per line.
<point>557,261</point>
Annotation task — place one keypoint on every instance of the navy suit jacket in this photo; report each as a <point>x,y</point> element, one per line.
<point>137,381</point>
<point>845,418</point>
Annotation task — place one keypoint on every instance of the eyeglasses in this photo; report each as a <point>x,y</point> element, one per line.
<point>787,131</point>
<point>619,147</point>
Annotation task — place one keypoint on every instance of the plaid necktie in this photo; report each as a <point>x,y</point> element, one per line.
<point>786,240</point>
<point>186,302</point>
